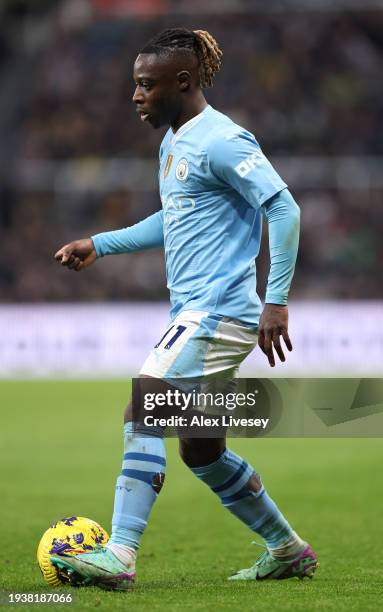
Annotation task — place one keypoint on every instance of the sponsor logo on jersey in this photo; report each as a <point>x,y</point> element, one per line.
<point>173,207</point>
<point>169,160</point>
<point>247,165</point>
<point>182,169</point>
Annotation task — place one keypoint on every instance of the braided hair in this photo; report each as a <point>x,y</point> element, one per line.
<point>199,42</point>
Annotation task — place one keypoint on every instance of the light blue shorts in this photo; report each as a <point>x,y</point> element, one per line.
<point>199,344</point>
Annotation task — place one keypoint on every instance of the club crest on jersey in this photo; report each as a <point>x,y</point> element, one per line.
<point>169,160</point>
<point>182,169</point>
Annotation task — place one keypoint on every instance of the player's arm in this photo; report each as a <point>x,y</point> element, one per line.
<point>283,216</point>
<point>146,234</point>
<point>237,160</point>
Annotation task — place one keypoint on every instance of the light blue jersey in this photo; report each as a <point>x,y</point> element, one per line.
<point>215,183</point>
<point>214,179</point>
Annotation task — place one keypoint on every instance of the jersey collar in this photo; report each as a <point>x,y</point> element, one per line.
<point>188,125</point>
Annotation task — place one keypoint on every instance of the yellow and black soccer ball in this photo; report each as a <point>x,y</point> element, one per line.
<point>72,535</point>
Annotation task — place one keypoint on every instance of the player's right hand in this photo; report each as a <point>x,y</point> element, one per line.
<point>77,255</point>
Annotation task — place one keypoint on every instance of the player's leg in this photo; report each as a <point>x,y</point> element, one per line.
<point>138,485</point>
<point>241,491</point>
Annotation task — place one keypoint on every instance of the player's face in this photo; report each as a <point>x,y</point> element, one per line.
<point>157,95</point>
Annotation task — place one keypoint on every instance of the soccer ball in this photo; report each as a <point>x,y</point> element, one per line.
<point>72,535</point>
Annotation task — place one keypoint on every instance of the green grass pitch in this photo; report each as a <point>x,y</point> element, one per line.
<point>61,446</point>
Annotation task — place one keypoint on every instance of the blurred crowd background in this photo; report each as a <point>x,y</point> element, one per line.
<point>76,160</point>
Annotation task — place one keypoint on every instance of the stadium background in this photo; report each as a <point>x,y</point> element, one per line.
<point>305,77</point>
<point>75,160</point>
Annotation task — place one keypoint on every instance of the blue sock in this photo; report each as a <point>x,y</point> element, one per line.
<point>140,481</point>
<point>228,477</point>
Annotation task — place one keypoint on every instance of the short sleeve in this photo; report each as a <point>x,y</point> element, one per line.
<point>237,160</point>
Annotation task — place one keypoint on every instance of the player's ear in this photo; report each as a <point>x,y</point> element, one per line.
<point>184,79</point>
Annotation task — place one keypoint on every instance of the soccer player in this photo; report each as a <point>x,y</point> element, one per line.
<point>215,187</point>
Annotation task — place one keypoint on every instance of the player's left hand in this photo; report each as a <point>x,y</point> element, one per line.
<point>272,325</point>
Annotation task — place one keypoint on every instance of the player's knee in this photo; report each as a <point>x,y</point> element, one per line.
<point>184,451</point>
<point>128,414</point>
<point>197,452</point>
